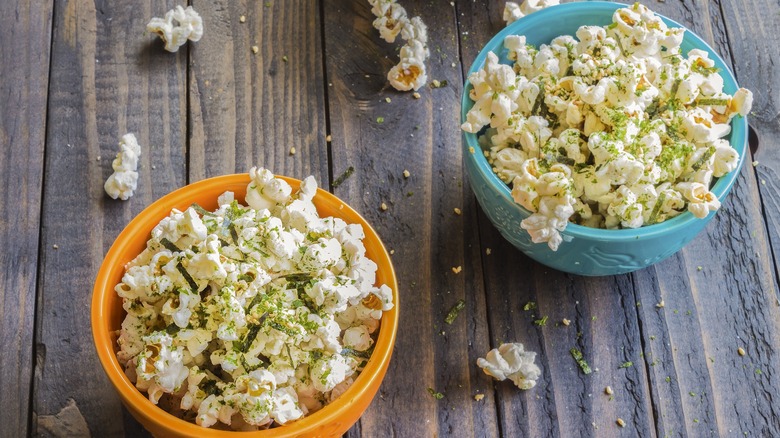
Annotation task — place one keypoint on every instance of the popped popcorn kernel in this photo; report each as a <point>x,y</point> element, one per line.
<point>514,12</point>
<point>123,182</point>
<point>178,26</point>
<point>511,361</point>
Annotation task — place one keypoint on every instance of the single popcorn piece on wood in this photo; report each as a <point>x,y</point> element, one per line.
<point>188,26</point>
<point>511,361</point>
<point>123,182</point>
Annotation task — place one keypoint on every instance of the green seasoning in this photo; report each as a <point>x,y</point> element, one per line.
<point>169,245</point>
<point>577,355</point>
<point>187,277</point>
<point>436,395</point>
<point>343,177</point>
<point>454,311</point>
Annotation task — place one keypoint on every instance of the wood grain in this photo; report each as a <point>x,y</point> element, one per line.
<point>752,33</point>
<point>381,139</point>
<point>250,109</point>
<point>108,77</point>
<point>25,38</point>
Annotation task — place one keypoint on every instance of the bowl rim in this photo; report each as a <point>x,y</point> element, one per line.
<point>721,187</point>
<point>140,227</point>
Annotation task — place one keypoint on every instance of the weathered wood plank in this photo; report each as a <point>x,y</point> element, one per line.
<point>381,139</point>
<point>108,77</point>
<point>250,108</point>
<point>25,37</point>
<point>755,43</point>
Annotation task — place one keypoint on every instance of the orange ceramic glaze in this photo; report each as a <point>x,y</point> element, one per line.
<point>107,315</point>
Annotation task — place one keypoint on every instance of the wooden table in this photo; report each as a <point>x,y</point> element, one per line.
<point>76,75</point>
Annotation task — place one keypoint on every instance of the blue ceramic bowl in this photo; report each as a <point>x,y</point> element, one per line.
<point>587,251</point>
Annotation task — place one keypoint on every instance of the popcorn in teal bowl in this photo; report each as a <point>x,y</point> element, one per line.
<point>607,153</point>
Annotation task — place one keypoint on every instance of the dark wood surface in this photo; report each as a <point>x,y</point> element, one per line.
<point>77,74</point>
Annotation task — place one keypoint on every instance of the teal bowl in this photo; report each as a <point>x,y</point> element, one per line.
<point>584,250</point>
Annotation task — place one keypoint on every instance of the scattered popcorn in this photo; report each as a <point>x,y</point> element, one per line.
<point>189,26</point>
<point>123,182</point>
<point>391,21</point>
<point>479,397</point>
<point>741,351</point>
<point>383,206</point>
<point>251,316</point>
<point>388,100</point>
<point>457,269</point>
<point>661,304</point>
<point>406,174</point>
<point>620,422</point>
<point>242,19</point>
<point>566,322</point>
<point>511,361</point>
<point>55,246</point>
<point>755,163</point>
<point>255,49</point>
<point>514,12</point>
<point>457,211</point>
<point>292,150</point>
<point>608,390</point>
<point>416,95</point>
<point>615,128</point>
<point>488,251</point>
<point>328,138</point>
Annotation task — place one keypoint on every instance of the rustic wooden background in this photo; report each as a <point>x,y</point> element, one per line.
<point>77,74</point>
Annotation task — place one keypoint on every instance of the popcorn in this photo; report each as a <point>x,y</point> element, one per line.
<point>514,12</point>
<point>189,26</point>
<point>615,128</point>
<point>409,73</point>
<point>700,200</point>
<point>280,300</point>
<point>511,361</point>
<point>123,182</point>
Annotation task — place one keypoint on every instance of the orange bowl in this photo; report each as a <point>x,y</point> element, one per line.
<point>107,315</point>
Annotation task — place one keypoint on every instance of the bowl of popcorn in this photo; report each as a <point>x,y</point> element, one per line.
<point>600,138</point>
<point>253,304</point>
